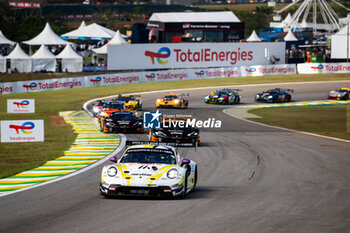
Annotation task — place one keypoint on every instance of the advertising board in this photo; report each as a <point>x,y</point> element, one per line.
<point>20,106</point>
<point>192,55</point>
<point>22,131</point>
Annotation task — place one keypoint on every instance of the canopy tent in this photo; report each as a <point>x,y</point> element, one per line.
<point>43,60</point>
<point>4,40</point>
<point>90,32</point>
<point>20,60</point>
<point>253,37</point>
<point>117,39</point>
<point>46,37</point>
<point>71,61</point>
<point>290,36</point>
<point>340,43</point>
<point>2,64</point>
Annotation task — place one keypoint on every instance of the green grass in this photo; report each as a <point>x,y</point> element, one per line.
<point>332,121</point>
<point>16,157</point>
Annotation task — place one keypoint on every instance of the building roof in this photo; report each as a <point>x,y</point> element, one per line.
<point>179,17</point>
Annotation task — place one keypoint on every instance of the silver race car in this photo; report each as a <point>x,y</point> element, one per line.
<point>149,170</point>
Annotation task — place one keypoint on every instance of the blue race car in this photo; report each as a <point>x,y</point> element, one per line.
<point>276,95</point>
<point>223,96</point>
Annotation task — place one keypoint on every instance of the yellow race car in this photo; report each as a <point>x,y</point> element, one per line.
<point>132,102</point>
<point>172,100</point>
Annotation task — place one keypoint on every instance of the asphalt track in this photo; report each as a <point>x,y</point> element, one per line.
<point>252,178</point>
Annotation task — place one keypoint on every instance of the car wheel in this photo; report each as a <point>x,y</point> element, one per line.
<point>238,100</point>
<point>184,194</point>
<point>195,180</point>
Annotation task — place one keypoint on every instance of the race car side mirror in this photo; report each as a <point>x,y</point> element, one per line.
<point>114,159</point>
<point>185,161</point>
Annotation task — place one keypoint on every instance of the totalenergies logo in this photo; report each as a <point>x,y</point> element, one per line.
<point>200,74</point>
<point>319,68</point>
<point>96,81</point>
<point>31,87</point>
<point>162,53</point>
<point>23,104</point>
<point>26,127</point>
<point>151,77</point>
<point>251,70</point>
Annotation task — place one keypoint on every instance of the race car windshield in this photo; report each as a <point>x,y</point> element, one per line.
<point>272,91</point>
<point>125,98</point>
<point>170,97</point>
<point>114,105</point>
<point>126,117</point>
<point>148,157</point>
<point>221,93</point>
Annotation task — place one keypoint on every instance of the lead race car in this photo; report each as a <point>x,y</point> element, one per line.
<point>149,170</point>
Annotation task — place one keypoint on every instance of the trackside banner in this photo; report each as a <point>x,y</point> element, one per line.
<point>319,68</point>
<point>268,70</point>
<point>22,131</point>
<point>192,55</point>
<point>20,106</point>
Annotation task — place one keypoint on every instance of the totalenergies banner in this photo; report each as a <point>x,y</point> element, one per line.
<point>116,79</point>
<point>192,55</point>
<point>268,70</point>
<point>319,68</point>
<point>22,131</point>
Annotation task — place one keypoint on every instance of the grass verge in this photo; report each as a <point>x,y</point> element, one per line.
<point>331,121</point>
<point>16,157</point>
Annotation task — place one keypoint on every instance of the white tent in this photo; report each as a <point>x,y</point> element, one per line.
<point>46,37</point>
<point>253,37</point>
<point>2,64</point>
<point>117,39</point>
<point>20,60</point>
<point>290,36</point>
<point>90,32</point>
<point>43,59</point>
<point>341,43</point>
<point>71,61</point>
<point>4,40</point>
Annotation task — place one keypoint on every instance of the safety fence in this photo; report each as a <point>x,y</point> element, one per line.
<point>170,75</point>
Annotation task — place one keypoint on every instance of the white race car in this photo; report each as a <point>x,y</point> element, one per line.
<point>149,170</point>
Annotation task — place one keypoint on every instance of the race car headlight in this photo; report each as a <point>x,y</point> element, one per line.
<point>257,96</point>
<point>158,100</point>
<point>176,101</point>
<point>95,109</point>
<point>206,97</point>
<point>104,114</point>
<point>192,134</point>
<point>159,134</point>
<point>172,173</point>
<point>341,93</point>
<point>112,171</point>
<point>270,97</point>
<point>138,123</point>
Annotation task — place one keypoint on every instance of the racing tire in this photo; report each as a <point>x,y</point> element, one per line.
<point>288,99</point>
<point>195,180</point>
<point>184,194</point>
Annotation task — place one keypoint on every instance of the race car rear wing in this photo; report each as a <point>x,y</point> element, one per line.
<point>174,144</point>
